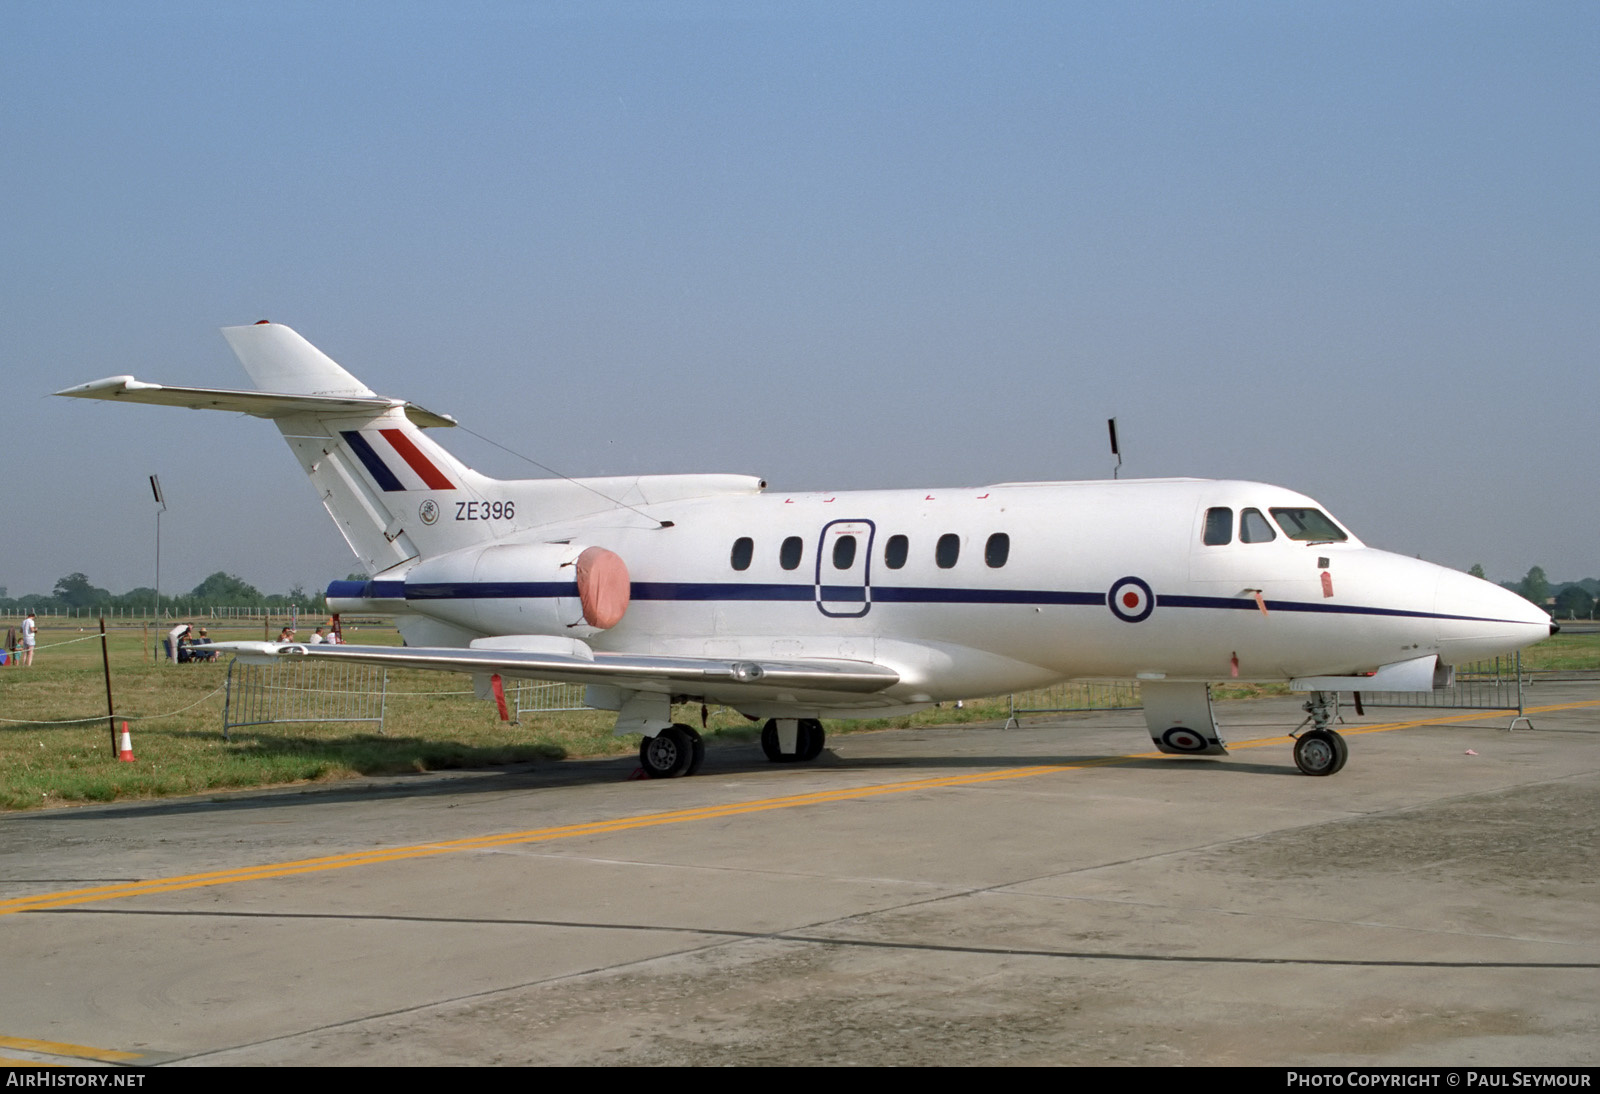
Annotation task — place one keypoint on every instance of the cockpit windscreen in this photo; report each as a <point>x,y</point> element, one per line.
<point>1308,526</point>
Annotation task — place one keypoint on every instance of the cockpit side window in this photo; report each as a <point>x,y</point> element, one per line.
<point>1219,527</point>
<point>1253,528</point>
<point>1308,526</point>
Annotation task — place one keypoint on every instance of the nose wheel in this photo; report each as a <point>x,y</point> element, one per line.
<point>1320,750</point>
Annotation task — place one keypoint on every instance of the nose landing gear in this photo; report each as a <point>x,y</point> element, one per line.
<point>1320,750</point>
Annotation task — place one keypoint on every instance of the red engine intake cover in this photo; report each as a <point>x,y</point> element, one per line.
<point>603,587</point>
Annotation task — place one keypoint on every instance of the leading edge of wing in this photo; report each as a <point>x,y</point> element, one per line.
<point>643,672</point>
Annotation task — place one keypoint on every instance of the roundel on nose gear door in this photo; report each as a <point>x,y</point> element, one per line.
<point>603,587</point>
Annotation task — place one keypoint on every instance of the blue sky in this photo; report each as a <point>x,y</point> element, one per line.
<point>1349,248</point>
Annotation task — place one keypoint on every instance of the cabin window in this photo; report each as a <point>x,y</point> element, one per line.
<point>896,551</point>
<point>789,553</point>
<point>1308,526</point>
<point>997,550</point>
<point>1253,528</point>
<point>1219,527</point>
<point>844,552</point>
<point>744,549</point>
<point>947,550</point>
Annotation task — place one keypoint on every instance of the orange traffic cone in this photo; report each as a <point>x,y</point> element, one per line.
<point>125,748</point>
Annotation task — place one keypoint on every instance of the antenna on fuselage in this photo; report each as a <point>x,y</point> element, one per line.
<point>1111,423</point>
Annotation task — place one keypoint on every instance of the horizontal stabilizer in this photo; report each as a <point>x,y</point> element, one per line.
<point>261,404</point>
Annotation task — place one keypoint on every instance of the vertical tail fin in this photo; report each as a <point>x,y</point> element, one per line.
<point>279,360</point>
<point>388,487</point>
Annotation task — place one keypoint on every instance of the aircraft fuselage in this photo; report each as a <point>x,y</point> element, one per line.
<point>969,591</point>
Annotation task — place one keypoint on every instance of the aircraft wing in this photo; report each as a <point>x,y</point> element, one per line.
<point>700,677</point>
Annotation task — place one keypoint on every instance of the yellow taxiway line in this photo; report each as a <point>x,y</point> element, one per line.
<point>61,1048</point>
<point>68,898</point>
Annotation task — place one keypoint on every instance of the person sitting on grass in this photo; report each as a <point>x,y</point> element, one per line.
<point>202,655</point>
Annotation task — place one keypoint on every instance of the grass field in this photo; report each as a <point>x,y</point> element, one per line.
<point>56,745</point>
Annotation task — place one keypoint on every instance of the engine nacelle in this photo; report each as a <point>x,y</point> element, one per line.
<point>565,589</point>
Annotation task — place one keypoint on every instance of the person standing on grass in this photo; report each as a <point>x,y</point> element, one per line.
<point>30,636</point>
<point>174,637</point>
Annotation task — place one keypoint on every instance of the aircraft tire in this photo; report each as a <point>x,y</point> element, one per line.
<point>770,745</point>
<point>697,747</point>
<point>1320,752</point>
<point>667,755</point>
<point>811,740</point>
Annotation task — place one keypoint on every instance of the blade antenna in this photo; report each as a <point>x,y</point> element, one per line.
<point>1111,423</point>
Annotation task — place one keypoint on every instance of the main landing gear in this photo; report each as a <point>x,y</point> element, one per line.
<point>678,749</point>
<point>674,751</point>
<point>1320,750</point>
<point>804,746</point>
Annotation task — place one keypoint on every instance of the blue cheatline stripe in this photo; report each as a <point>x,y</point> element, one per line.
<point>885,594</point>
<point>881,594</point>
<point>370,459</point>
<point>367,590</point>
<point>1237,604</point>
<point>491,590</point>
<point>712,590</point>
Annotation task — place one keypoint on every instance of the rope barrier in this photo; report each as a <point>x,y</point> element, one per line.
<point>119,716</point>
<point>65,642</point>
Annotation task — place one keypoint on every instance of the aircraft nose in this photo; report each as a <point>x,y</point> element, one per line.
<point>1479,620</point>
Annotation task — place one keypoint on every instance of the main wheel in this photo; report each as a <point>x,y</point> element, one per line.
<point>770,746</point>
<point>809,747</point>
<point>1320,752</point>
<point>807,742</point>
<point>668,754</point>
<point>697,747</point>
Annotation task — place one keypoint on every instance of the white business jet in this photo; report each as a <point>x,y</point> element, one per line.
<point>790,608</point>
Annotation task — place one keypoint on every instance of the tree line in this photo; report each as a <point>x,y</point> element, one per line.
<point>75,592</point>
<point>1563,600</point>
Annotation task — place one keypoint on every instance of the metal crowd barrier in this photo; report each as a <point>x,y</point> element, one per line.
<point>1064,698</point>
<point>1482,685</point>
<point>547,698</point>
<point>299,691</point>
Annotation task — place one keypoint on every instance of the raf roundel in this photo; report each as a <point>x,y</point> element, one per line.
<point>1131,600</point>
<point>1181,739</point>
